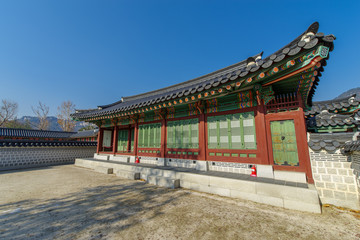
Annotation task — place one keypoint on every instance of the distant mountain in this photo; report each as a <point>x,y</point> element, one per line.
<point>349,93</point>
<point>54,126</point>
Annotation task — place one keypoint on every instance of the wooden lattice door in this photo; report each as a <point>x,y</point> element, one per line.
<point>284,145</point>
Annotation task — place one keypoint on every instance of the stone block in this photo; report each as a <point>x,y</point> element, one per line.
<point>244,186</point>
<point>337,165</point>
<point>343,172</point>
<point>339,195</point>
<point>202,166</point>
<point>341,187</point>
<point>161,162</point>
<point>185,184</point>
<point>346,165</point>
<point>194,178</point>
<point>102,169</point>
<point>316,177</point>
<point>321,170</point>
<point>352,188</point>
<point>265,171</point>
<point>200,187</point>
<point>319,184</point>
<point>331,171</point>
<point>328,164</point>
<point>327,193</point>
<point>330,185</point>
<point>127,174</point>
<point>349,180</point>
<point>352,197</point>
<point>290,176</point>
<point>301,206</point>
<point>326,178</point>
<point>320,164</point>
<point>101,157</point>
<point>245,195</point>
<point>337,179</point>
<point>117,158</point>
<point>220,191</point>
<point>287,192</point>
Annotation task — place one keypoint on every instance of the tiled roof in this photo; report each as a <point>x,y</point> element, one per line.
<point>326,119</point>
<point>29,133</point>
<point>329,141</point>
<point>39,143</point>
<point>333,105</point>
<point>85,134</point>
<point>331,113</point>
<point>213,80</point>
<point>352,146</point>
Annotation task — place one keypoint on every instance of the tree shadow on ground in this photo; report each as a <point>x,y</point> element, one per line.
<point>92,210</point>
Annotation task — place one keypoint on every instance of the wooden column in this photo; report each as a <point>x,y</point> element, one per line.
<point>115,138</point>
<point>304,150</point>
<point>260,126</point>
<point>202,138</point>
<point>100,139</point>
<point>163,137</point>
<point>136,138</point>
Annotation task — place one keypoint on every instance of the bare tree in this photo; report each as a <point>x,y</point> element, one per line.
<point>64,118</point>
<point>8,111</point>
<point>42,112</point>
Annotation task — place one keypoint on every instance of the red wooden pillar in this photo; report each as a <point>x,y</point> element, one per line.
<point>163,138</point>
<point>136,139</point>
<point>304,151</point>
<point>260,126</point>
<point>115,136</point>
<point>99,140</point>
<point>202,137</point>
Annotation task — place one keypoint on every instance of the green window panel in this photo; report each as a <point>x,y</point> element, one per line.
<point>183,134</point>
<point>132,140</point>
<point>232,131</point>
<point>150,135</point>
<point>123,137</point>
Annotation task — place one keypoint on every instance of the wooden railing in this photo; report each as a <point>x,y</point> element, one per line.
<point>284,102</point>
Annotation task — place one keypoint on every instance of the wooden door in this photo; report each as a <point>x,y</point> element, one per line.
<point>123,140</point>
<point>284,145</point>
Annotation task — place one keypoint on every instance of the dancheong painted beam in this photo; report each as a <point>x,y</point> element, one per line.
<point>251,112</point>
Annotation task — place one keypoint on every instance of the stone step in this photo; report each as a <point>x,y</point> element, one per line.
<point>163,181</point>
<point>127,174</point>
<point>102,169</point>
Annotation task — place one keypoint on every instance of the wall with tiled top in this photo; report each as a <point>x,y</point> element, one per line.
<point>27,157</point>
<point>334,178</point>
<point>355,164</point>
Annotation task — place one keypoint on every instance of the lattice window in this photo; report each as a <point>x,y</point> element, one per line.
<point>183,133</point>
<point>233,131</point>
<point>150,135</point>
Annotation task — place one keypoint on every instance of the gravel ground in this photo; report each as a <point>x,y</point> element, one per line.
<point>68,202</point>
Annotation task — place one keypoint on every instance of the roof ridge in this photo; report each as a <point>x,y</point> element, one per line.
<point>335,100</point>
<point>34,130</point>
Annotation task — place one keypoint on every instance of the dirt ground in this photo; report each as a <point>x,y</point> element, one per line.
<point>68,202</point>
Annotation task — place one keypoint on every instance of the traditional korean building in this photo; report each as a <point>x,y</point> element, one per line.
<point>86,135</point>
<point>249,113</point>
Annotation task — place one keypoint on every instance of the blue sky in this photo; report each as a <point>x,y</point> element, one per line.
<point>95,52</point>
